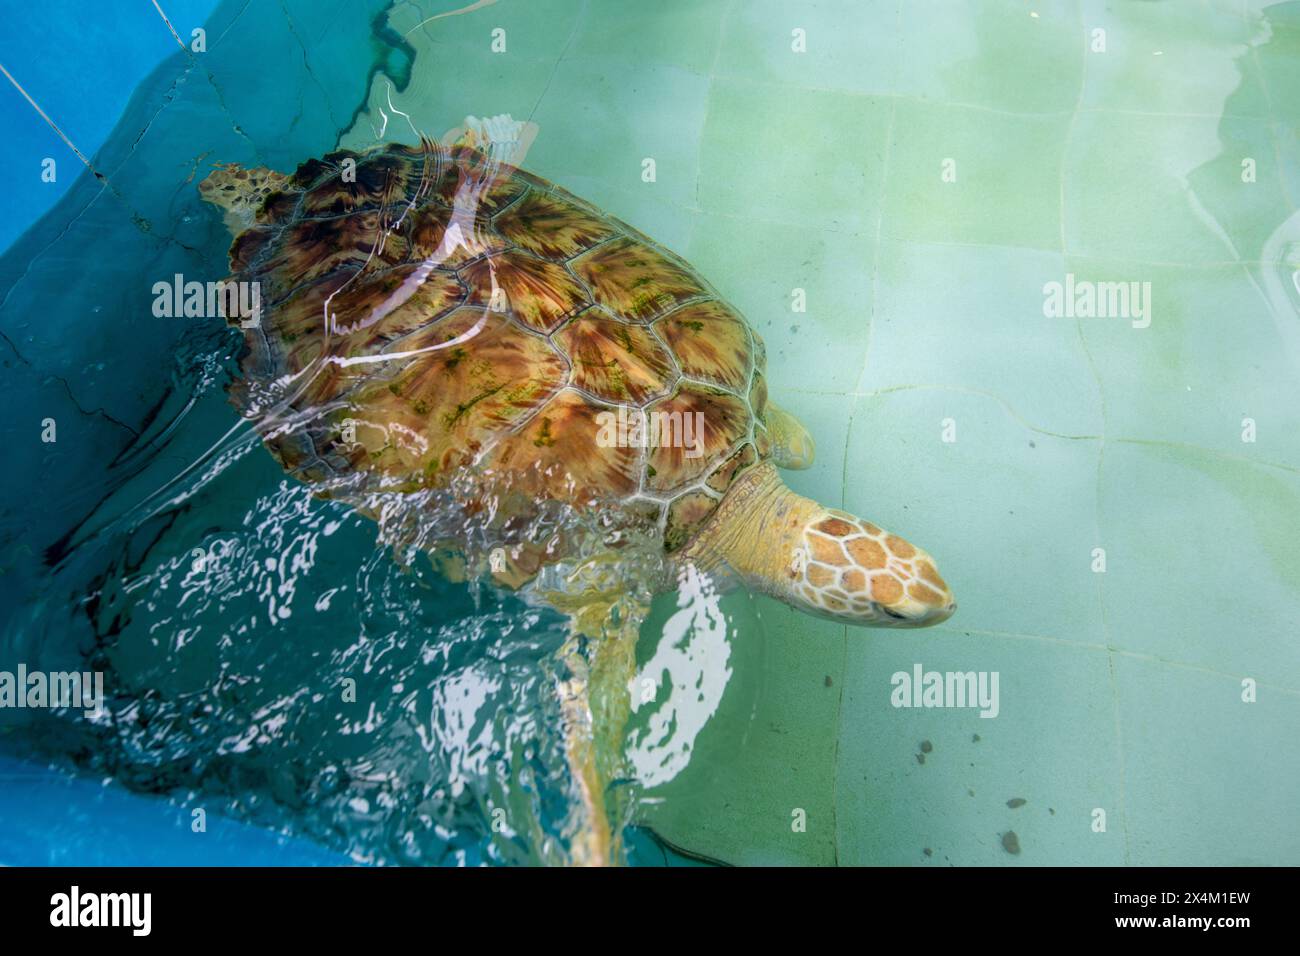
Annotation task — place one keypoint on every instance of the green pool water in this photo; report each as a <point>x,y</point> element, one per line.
<point>921,172</point>
<point>895,195</point>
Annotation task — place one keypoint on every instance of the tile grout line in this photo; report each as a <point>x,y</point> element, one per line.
<point>875,265</point>
<point>889,389</point>
<point>853,410</point>
<point>1101,455</point>
<point>844,660</point>
<point>1111,651</point>
<point>751,81</point>
<point>848,430</point>
<point>1117,652</point>
<point>573,32</point>
<point>1189,265</point>
<point>708,102</point>
<point>875,252</point>
<point>1069,129</point>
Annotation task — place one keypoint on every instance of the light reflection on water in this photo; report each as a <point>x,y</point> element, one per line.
<point>275,656</point>
<point>691,662</point>
<point>292,667</point>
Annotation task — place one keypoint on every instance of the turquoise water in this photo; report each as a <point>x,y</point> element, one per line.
<point>114,49</point>
<point>919,173</point>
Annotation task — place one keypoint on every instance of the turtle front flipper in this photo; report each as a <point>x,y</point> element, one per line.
<point>599,663</point>
<point>825,562</point>
<point>595,705</point>
<point>792,444</point>
<point>501,137</point>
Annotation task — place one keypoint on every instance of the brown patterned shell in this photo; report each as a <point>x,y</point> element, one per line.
<point>434,311</point>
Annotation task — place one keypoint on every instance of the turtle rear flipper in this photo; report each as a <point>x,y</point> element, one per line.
<point>241,192</point>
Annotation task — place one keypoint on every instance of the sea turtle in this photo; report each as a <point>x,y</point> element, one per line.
<point>438,325</point>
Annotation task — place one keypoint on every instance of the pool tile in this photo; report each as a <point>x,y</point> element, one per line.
<point>972,317</point>
<point>1201,563</point>
<point>965,175</point>
<point>1208,778</point>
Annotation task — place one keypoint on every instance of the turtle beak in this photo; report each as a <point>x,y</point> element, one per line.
<point>915,614</point>
<point>923,598</point>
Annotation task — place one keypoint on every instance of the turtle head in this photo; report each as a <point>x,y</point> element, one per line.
<point>849,569</point>
<point>239,192</point>
<point>822,561</point>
